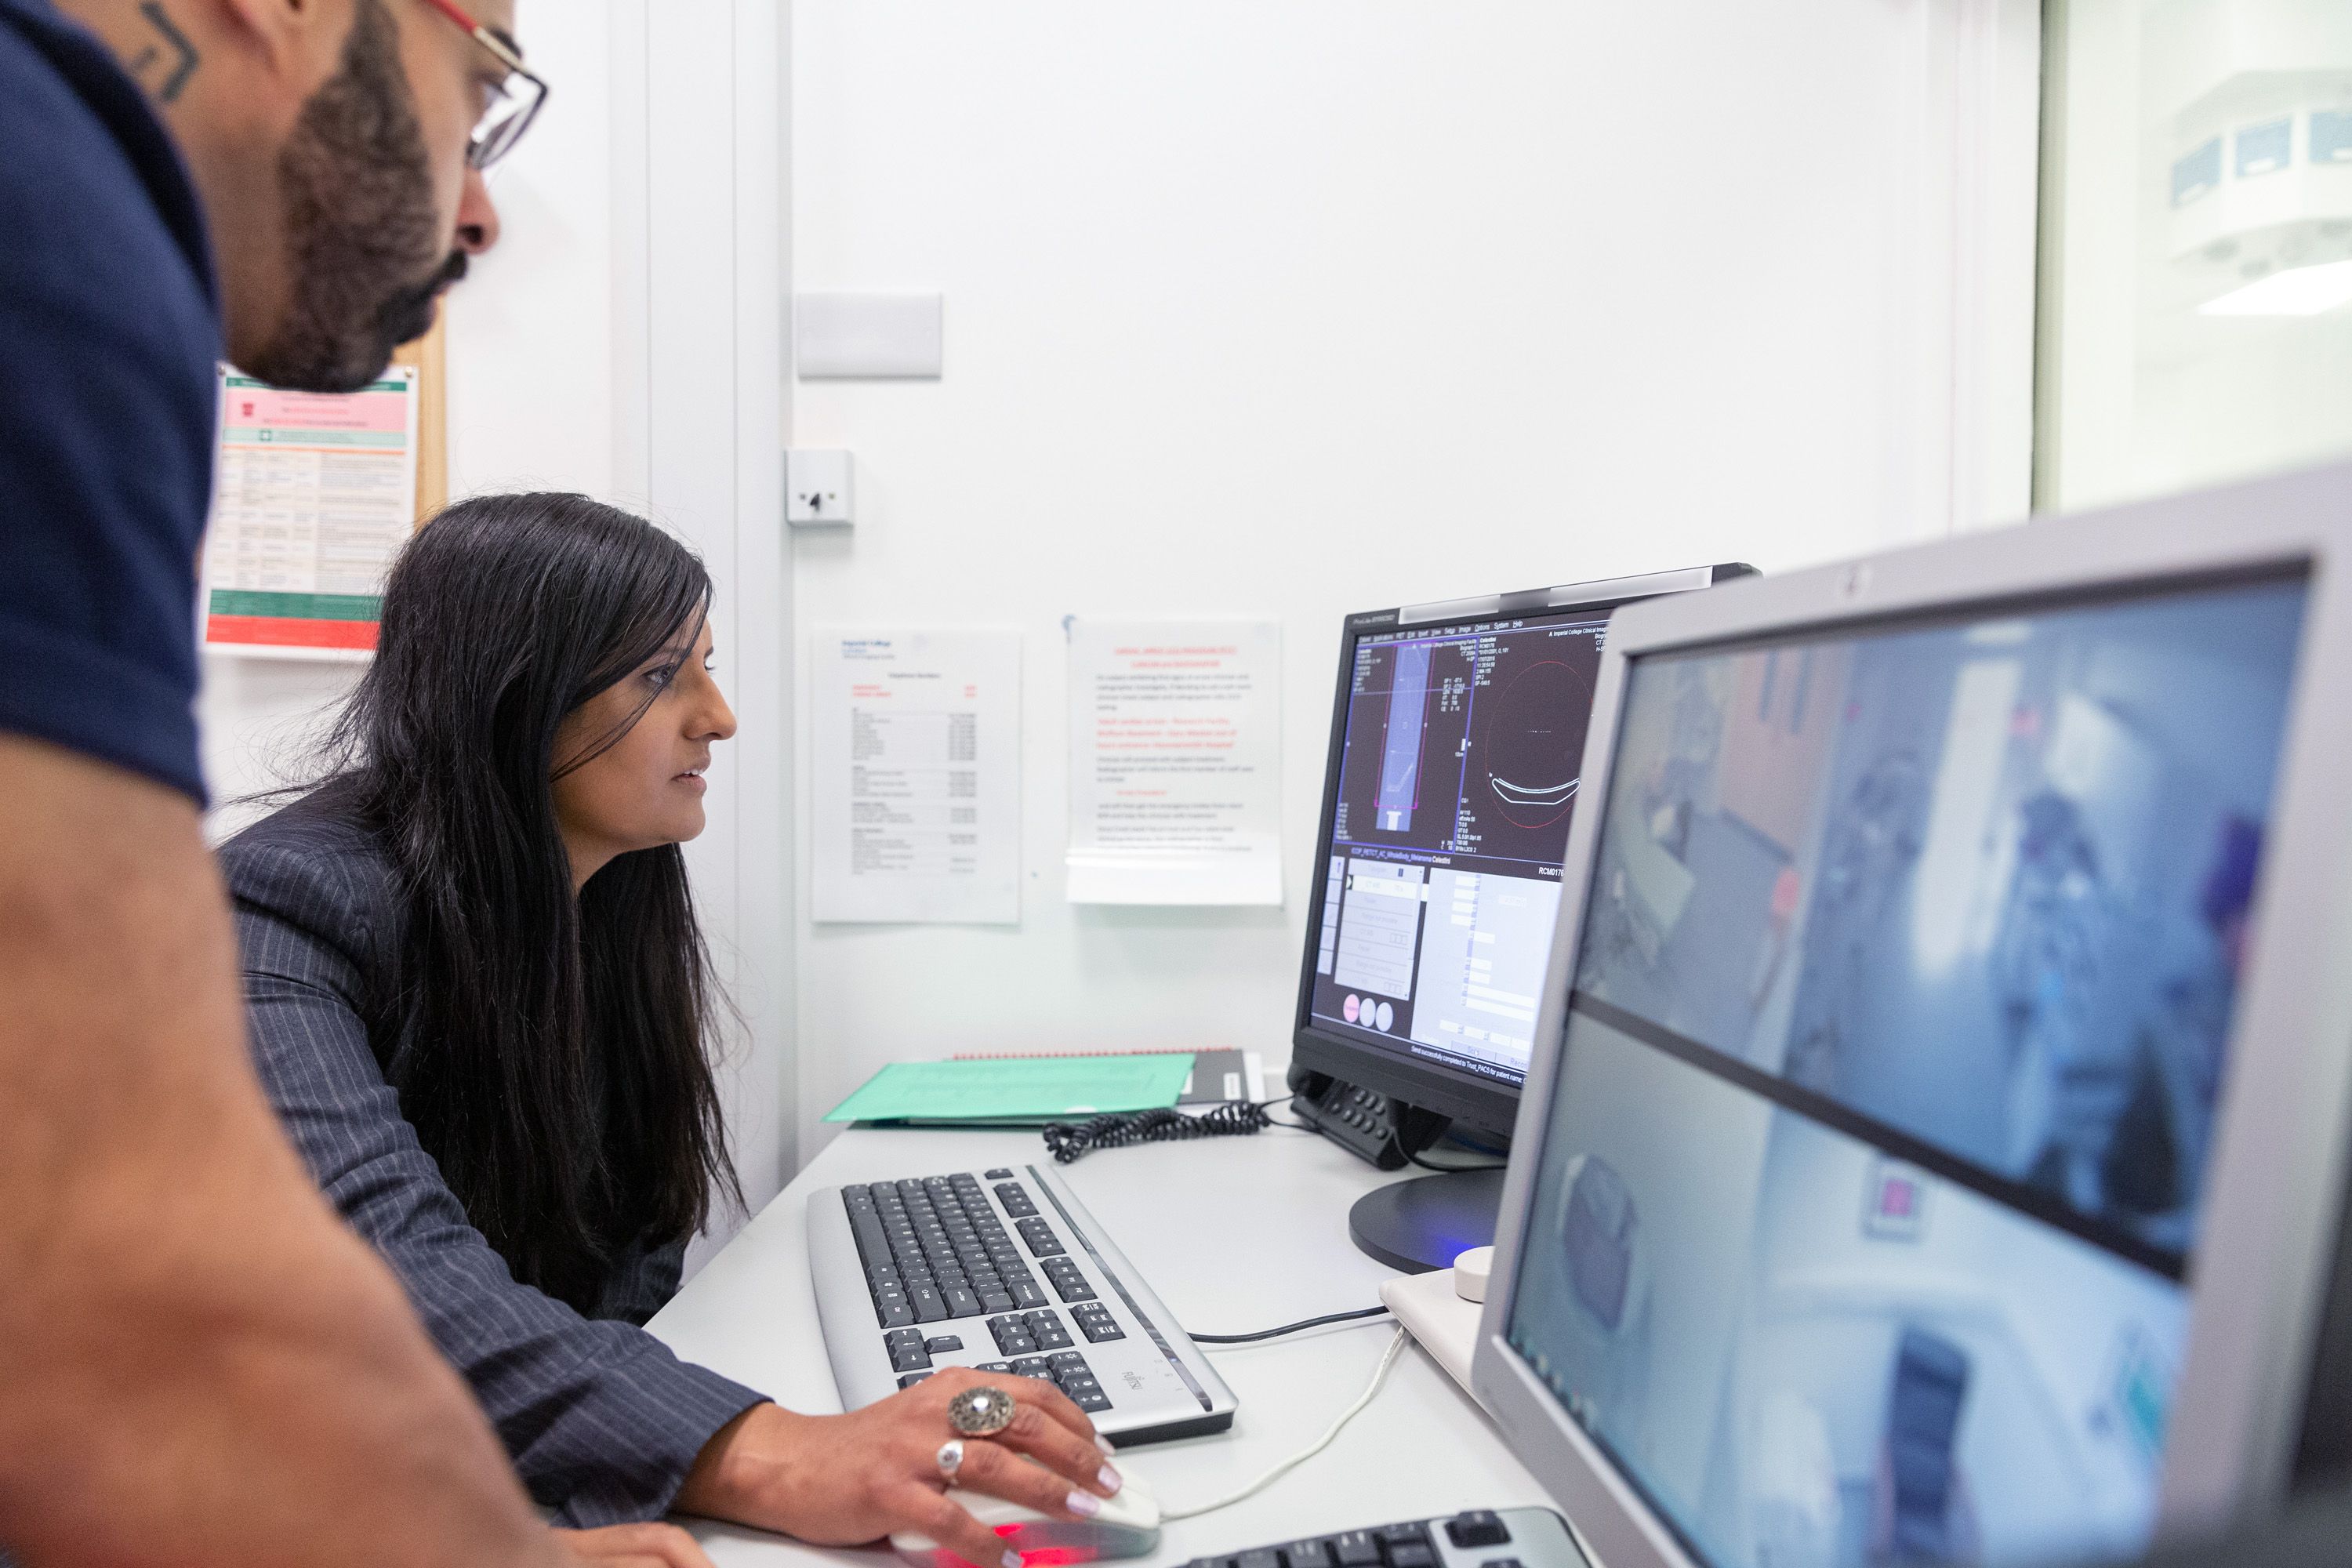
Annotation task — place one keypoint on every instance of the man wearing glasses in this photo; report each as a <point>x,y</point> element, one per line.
<point>198,1365</point>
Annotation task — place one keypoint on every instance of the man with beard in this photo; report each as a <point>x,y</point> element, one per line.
<point>198,1365</point>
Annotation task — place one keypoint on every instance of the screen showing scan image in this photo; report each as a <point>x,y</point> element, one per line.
<point>1808,1355</point>
<point>1457,778</point>
<point>1986,885</point>
<point>1869,1187</point>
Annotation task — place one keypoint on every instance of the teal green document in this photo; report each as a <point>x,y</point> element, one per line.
<point>1016,1090</point>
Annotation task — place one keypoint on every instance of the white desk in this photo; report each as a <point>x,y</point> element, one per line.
<point>1235,1233</point>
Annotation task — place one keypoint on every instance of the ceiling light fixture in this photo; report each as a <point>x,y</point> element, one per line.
<point>2297,291</point>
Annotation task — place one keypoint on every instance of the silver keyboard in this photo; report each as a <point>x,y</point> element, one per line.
<point>1003,1271</point>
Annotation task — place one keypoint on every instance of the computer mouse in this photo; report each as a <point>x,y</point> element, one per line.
<point>1128,1526</point>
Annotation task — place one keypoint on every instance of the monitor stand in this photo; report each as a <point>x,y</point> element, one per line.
<point>1426,1222</point>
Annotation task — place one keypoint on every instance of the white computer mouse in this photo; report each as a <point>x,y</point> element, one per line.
<point>1128,1526</point>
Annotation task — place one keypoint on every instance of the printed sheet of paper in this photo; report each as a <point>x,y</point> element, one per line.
<point>1175,763</point>
<point>317,493</point>
<point>916,763</point>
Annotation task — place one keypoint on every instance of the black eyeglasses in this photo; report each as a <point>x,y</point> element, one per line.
<point>515,101</point>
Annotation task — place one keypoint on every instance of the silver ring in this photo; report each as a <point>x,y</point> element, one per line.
<point>951,1458</point>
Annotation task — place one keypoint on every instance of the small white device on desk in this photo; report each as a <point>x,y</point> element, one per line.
<point>1441,1308</point>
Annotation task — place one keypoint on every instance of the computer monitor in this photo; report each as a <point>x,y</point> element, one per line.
<point>1937,1131</point>
<point>1455,740</point>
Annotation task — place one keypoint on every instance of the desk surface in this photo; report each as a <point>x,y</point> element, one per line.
<point>1235,1235</point>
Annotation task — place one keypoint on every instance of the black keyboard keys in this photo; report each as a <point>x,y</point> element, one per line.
<point>1013,1336</point>
<point>1479,1526</point>
<point>1040,1238</point>
<point>906,1348</point>
<point>1307,1555</point>
<point>1077,1379</point>
<point>1095,1321</point>
<point>1014,1197</point>
<point>1068,1282</point>
<point>1355,1549</point>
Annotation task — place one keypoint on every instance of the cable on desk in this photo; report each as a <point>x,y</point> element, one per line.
<point>1379,1375</point>
<point>1068,1141</point>
<point>1288,1328</point>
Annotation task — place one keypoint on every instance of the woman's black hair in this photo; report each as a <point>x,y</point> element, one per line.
<point>553,1051</point>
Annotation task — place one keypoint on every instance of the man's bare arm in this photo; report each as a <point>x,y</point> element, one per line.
<point>198,1363</point>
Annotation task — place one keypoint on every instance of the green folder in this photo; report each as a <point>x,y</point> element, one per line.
<point>1016,1091</point>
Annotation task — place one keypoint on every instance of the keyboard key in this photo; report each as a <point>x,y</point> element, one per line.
<point>908,1357</point>
<point>1026,1294</point>
<point>994,1366</point>
<point>1479,1526</point>
<point>942,1344</point>
<point>1000,1173</point>
<point>1307,1555</point>
<point>1032,1366</point>
<point>1500,1562</point>
<point>894,1314</point>
<point>1355,1549</point>
<point>998,1300</point>
<point>1067,1361</point>
<point>1412,1532</point>
<point>1264,1557</point>
<point>961,1301</point>
<point>912,1378</point>
<point>1040,1238</point>
<point>929,1306</point>
<point>1411,1554</point>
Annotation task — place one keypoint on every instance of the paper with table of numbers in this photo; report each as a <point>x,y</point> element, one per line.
<point>916,776</point>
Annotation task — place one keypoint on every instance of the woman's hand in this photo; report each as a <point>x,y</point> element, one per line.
<point>838,1479</point>
<point>633,1546</point>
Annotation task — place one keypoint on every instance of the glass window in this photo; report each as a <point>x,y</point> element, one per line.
<point>2196,291</point>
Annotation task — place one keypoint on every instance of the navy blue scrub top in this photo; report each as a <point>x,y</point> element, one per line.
<point>110,340</point>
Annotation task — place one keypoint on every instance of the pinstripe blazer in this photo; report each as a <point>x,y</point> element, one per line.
<point>601,1420</point>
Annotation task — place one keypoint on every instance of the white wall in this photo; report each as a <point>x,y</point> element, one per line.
<point>1289,310</point>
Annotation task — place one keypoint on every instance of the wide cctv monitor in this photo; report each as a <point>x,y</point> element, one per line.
<point>1456,736</point>
<point>1936,1127</point>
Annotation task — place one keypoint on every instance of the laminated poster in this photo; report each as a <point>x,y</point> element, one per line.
<point>316,493</point>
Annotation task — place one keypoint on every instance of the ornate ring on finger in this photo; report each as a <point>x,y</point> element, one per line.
<point>980,1411</point>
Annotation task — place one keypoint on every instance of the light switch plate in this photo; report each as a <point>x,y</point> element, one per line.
<point>816,485</point>
<point>852,336</point>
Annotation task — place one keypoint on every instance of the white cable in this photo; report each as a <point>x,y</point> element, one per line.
<point>1379,1375</point>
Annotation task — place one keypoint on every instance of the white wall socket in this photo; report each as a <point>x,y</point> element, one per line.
<point>816,485</point>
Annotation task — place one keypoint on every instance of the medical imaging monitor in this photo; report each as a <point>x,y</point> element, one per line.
<point>1935,1132</point>
<point>1456,736</point>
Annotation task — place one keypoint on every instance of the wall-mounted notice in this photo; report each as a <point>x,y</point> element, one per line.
<point>1175,763</point>
<point>918,776</point>
<point>317,493</point>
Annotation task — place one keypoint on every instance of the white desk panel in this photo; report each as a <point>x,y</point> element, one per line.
<point>1235,1235</point>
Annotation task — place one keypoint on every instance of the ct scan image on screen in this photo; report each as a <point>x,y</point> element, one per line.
<point>1901,1017</point>
<point>1457,782</point>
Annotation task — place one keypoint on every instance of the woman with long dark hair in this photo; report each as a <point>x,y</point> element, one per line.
<point>481,1004</point>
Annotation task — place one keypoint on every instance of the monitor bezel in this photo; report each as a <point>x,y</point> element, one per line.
<point>2278,1165</point>
<point>1488,1104</point>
